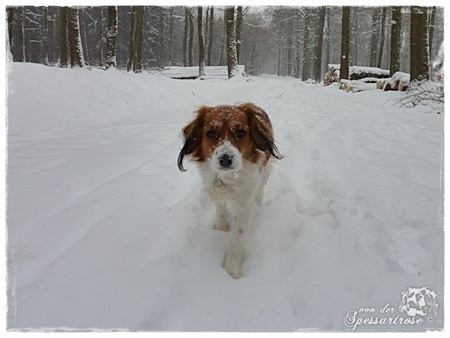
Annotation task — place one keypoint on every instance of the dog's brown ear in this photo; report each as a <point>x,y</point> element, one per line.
<point>192,136</point>
<point>260,129</point>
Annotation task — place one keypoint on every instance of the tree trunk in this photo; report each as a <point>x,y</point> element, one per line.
<point>328,47</point>
<point>345,43</point>
<point>396,31</point>
<point>191,38</point>
<point>239,22</point>
<point>306,56</point>
<point>10,13</point>
<point>210,43</point>
<point>45,37</point>
<point>289,46</point>
<point>319,45</point>
<point>63,40</point>
<point>383,20</point>
<point>161,38</point>
<point>298,59</point>
<point>224,43</point>
<point>374,37</point>
<point>431,30</point>
<point>231,41</point>
<point>432,14</point>
<point>419,44</point>
<point>100,37</point>
<point>201,43</point>
<point>185,36</point>
<point>83,34</point>
<point>111,58</point>
<point>171,26</point>
<point>21,56</point>
<point>130,61</point>
<point>354,37</point>
<point>138,38</point>
<point>76,49</point>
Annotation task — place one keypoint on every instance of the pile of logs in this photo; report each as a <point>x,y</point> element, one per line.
<point>361,77</point>
<point>356,73</point>
<point>399,81</point>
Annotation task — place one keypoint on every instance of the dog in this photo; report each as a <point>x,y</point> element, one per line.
<point>233,147</point>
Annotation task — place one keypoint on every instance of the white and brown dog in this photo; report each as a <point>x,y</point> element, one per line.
<point>232,146</point>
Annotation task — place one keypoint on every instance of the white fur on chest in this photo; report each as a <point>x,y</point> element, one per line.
<point>236,186</point>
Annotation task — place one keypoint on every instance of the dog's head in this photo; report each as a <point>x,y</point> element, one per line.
<point>226,136</point>
<point>418,302</point>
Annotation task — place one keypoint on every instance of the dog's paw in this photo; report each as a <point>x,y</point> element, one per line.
<point>233,267</point>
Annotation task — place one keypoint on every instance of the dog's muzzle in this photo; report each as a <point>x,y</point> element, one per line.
<point>226,158</point>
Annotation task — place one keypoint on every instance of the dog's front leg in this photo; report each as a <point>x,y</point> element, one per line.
<point>222,217</point>
<point>235,254</point>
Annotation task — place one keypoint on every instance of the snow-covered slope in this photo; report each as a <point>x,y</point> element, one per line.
<point>104,232</point>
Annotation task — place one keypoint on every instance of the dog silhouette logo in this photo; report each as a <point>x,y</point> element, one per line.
<point>419,302</point>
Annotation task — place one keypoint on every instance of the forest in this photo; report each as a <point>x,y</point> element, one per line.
<point>288,41</point>
<point>105,234</point>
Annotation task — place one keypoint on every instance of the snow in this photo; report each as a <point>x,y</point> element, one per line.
<point>356,86</point>
<point>403,77</point>
<point>213,72</point>
<point>370,70</point>
<point>105,233</point>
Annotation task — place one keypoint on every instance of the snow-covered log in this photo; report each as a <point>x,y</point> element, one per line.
<point>356,73</point>
<point>356,86</point>
<point>398,81</point>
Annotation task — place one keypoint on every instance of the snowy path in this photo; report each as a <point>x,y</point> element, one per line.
<point>104,231</point>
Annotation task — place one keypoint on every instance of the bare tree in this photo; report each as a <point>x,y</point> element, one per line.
<point>171,28</point>
<point>63,39</point>
<point>100,37</point>
<point>290,47</point>
<point>319,45</point>
<point>201,42</point>
<point>185,36</point>
<point>231,41</point>
<point>396,31</point>
<point>191,38</point>
<point>419,44</point>
<point>432,20</point>
<point>131,40</point>
<point>45,37</point>
<point>298,44</point>
<point>136,39</point>
<point>160,45</point>
<point>383,20</point>
<point>10,18</point>
<point>111,60</point>
<point>374,37</point>
<point>21,36</point>
<point>306,51</point>
<point>239,22</point>
<point>210,36</point>
<point>345,43</point>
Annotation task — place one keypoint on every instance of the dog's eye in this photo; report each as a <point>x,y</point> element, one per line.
<point>240,133</point>
<point>211,134</point>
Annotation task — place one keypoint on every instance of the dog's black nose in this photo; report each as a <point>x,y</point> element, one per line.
<point>226,160</point>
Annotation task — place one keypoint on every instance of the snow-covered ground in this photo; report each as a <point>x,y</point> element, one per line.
<point>105,233</point>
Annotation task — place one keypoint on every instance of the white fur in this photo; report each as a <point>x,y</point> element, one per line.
<point>226,148</point>
<point>235,193</point>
